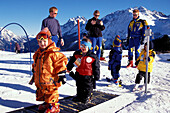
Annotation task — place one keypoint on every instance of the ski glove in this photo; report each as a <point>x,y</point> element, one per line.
<point>109,68</point>
<point>137,62</point>
<point>142,41</point>
<point>62,78</point>
<point>127,41</point>
<point>72,75</point>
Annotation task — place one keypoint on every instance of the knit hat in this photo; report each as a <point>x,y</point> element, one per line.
<point>44,34</point>
<point>117,41</point>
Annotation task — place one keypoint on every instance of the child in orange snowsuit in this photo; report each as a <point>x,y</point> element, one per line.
<point>49,70</point>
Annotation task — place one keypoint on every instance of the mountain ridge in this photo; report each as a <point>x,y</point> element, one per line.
<point>116,23</point>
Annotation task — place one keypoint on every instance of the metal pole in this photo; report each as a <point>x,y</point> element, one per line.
<point>148,34</point>
<point>27,39</point>
<point>78,23</point>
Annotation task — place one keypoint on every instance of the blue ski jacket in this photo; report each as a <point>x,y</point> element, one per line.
<point>115,57</point>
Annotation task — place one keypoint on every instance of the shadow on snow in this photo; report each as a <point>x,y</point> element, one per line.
<point>17,87</point>
<point>14,62</point>
<point>15,70</point>
<point>14,103</point>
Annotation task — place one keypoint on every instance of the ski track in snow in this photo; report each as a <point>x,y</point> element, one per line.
<point>16,92</point>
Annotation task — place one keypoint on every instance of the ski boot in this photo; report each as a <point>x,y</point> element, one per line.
<point>116,81</point>
<point>130,64</point>
<point>87,100</point>
<point>120,83</point>
<point>53,108</point>
<point>76,99</point>
<point>43,106</point>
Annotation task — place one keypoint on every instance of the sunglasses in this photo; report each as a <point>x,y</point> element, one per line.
<point>97,15</point>
<point>55,13</point>
<point>135,14</point>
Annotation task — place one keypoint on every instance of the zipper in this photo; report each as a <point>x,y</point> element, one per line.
<point>40,71</point>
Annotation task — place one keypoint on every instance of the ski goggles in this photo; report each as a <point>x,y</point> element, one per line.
<point>85,44</point>
<point>42,37</point>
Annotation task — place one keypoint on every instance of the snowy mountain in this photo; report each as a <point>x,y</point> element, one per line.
<point>7,37</point>
<point>116,23</point>
<point>70,26</point>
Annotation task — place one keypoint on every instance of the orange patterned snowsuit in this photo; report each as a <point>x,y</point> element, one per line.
<point>46,66</point>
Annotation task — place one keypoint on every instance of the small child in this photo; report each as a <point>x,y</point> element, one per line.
<point>87,71</point>
<point>49,70</point>
<point>115,57</point>
<point>85,35</point>
<point>141,64</point>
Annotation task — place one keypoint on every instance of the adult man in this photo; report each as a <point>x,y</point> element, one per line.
<point>94,27</point>
<point>54,26</point>
<point>136,35</point>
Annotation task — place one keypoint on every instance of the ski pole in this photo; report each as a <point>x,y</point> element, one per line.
<point>148,34</point>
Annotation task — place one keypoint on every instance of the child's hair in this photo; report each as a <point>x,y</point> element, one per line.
<point>85,34</point>
<point>87,40</point>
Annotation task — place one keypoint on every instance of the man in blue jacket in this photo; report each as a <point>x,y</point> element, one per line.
<point>54,26</point>
<point>136,35</point>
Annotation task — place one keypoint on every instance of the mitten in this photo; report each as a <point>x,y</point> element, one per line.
<point>109,68</point>
<point>62,78</point>
<point>142,41</point>
<point>72,75</point>
<point>137,62</point>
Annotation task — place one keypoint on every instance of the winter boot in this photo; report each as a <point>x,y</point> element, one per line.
<point>53,108</point>
<point>43,107</point>
<point>136,87</point>
<point>87,100</point>
<point>76,99</point>
<point>130,64</point>
<point>116,81</point>
<point>149,86</point>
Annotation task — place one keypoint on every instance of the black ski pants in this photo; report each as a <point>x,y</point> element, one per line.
<point>140,75</point>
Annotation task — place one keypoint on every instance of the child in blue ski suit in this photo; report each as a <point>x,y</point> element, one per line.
<point>115,57</point>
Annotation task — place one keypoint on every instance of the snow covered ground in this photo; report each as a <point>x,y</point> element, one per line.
<point>15,92</point>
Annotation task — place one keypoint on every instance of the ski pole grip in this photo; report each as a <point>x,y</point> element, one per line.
<point>148,32</point>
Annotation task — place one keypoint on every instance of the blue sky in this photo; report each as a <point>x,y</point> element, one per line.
<point>30,13</point>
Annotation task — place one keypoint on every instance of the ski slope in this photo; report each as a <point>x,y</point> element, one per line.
<point>15,92</point>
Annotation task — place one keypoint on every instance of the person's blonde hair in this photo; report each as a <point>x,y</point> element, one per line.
<point>135,11</point>
<point>52,8</point>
